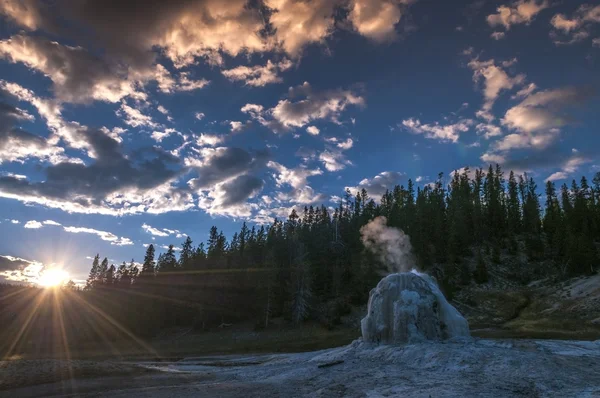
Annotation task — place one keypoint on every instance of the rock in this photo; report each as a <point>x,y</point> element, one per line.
<point>409,307</point>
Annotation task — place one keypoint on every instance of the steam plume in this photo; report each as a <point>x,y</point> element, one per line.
<point>390,244</point>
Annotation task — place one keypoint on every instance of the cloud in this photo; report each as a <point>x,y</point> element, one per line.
<point>15,269</point>
<point>113,183</point>
<point>33,224</point>
<point>51,222</point>
<point>17,145</point>
<point>153,231</point>
<point>299,23</point>
<point>544,110</point>
<point>569,167</point>
<point>162,110</point>
<point>377,19</point>
<point>436,131</point>
<point>495,80</point>
<point>576,28</point>
<point>296,177</point>
<point>134,117</point>
<point>310,106</point>
<point>199,115</point>
<point>312,130</point>
<point>378,185</point>
<point>158,136</point>
<point>498,35</point>
<point>258,76</point>
<point>326,105</point>
<point>237,190</point>
<point>334,160</point>
<point>77,75</point>
<point>488,130</point>
<point>209,140</point>
<point>519,12</point>
<point>107,236</point>
<point>217,165</point>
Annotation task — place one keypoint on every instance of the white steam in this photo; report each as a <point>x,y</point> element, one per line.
<point>390,244</point>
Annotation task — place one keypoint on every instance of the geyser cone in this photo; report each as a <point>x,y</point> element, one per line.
<point>409,307</point>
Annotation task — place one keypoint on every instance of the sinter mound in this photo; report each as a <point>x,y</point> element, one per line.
<point>409,307</point>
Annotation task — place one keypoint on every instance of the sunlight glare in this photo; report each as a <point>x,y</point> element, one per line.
<point>53,277</point>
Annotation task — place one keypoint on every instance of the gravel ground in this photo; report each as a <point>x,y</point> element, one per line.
<point>483,368</point>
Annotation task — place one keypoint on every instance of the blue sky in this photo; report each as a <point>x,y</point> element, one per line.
<point>124,123</point>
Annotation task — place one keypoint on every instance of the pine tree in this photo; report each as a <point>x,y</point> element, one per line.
<point>186,255</point>
<point>148,267</point>
<point>102,274</point>
<point>92,280</point>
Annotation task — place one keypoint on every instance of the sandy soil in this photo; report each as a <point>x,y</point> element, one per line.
<point>483,368</point>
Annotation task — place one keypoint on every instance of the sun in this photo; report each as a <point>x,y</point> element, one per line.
<point>53,277</point>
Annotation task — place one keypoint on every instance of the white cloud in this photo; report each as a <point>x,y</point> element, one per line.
<point>311,105</point>
<point>569,167</point>
<point>15,221</point>
<point>199,115</point>
<point>158,136</point>
<point>378,185</point>
<point>345,145</point>
<point>107,236</point>
<point>209,140</point>
<point>134,117</point>
<point>498,35</point>
<point>154,231</point>
<point>33,224</point>
<point>258,76</point>
<point>377,19</point>
<point>519,12</point>
<point>495,81</point>
<point>542,110</point>
<point>236,126</point>
<point>436,131</point>
<point>312,130</point>
<point>316,105</point>
<point>488,130</point>
<point>334,160</point>
<point>162,110</point>
<point>493,158</point>
<point>51,222</point>
<point>296,178</point>
<point>299,23</point>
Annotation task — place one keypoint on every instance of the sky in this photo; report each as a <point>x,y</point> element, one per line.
<point>125,123</point>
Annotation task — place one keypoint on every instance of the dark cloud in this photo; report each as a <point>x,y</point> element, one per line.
<point>110,172</point>
<point>8,263</point>
<point>240,189</point>
<point>77,75</point>
<point>17,144</point>
<point>222,164</point>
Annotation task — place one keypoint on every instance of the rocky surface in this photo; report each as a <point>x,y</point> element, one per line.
<point>483,368</point>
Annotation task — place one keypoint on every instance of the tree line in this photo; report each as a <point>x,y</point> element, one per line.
<point>314,266</point>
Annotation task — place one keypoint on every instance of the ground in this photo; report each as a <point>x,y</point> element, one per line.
<point>483,368</point>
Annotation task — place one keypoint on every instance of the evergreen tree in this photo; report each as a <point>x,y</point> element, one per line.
<point>148,267</point>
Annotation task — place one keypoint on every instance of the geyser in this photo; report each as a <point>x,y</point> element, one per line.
<point>409,307</point>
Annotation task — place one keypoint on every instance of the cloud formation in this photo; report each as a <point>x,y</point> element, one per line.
<point>578,27</point>
<point>519,12</point>
<point>441,132</point>
<point>258,76</point>
<point>378,185</point>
